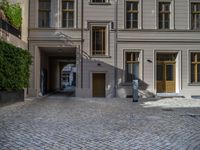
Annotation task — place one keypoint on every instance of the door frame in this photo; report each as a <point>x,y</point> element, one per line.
<point>178,82</point>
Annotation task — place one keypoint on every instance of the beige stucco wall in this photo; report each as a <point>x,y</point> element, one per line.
<point>148,39</point>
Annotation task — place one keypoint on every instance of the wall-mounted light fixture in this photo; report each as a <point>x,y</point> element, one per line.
<point>148,60</point>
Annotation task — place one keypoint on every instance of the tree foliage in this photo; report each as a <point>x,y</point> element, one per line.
<point>13,13</point>
<point>14,67</point>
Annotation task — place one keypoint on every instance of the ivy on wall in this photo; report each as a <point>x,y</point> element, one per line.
<point>13,13</point>
<point>14,67</point>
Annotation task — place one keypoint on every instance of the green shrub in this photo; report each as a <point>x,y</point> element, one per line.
<point>13,13</point>
<point>14,67</point>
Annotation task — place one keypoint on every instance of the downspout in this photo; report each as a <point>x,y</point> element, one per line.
<point>82,40</point>
<point>29,6</point>
<point>115,49</point>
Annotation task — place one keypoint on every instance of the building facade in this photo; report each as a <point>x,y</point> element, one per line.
<point>113,42</point>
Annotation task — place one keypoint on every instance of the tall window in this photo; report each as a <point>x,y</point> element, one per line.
<point>44,13</point>
<point>131,66</point>
<point>195,16</point>
<point>98,40</point>
<point>195,67</point>
<point>131,14</point>
<point>164,15</point>
<point>68,13</point>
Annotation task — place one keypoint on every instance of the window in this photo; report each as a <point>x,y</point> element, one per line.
<point>131,66</point>
<point>195,16</point>
<point>68,13</point>
<point>98,40</point>
<point>44,13</point>
<point>195,67</point>
<point>164,15</point>
<point>131,14</point>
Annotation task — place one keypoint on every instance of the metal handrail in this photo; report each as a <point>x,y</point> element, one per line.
<point>9,28</point>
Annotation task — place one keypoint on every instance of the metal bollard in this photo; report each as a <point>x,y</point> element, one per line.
<point>135,86</point>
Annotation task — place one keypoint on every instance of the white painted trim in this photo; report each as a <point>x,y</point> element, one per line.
<point>172,14</point>
<point>189,51</point>
<point>178,70</point>
<point>140,13</point>
<point>141,63</point>
<point>189,12</point>
<point>107,37</point>
<point>59,11</point>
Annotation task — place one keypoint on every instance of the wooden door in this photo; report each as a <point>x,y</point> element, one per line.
<point>166,77</point>
<point>98,81</point>
<point>170,78</point>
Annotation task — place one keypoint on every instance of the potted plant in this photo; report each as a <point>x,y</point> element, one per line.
<point>14,72</point>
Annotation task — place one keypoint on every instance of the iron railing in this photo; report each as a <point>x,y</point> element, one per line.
<point>9,28</point>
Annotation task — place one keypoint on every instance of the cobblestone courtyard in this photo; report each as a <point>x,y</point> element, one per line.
<point>60,123</point>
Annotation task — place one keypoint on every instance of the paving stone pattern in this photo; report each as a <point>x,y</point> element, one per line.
<point>60,123</point>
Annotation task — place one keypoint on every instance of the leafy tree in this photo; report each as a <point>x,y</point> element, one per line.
<point>14,67</point>
<point>13,13</point>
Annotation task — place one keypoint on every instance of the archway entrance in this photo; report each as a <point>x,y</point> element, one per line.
<point>58,71</point>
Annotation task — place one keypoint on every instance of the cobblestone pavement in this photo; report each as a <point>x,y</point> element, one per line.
<point>60,123</point>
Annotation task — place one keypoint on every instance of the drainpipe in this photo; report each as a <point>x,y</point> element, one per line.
<point>29,6</point>
<point>115,49</point>
<point>82,40</point>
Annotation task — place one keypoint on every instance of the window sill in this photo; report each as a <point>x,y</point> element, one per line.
<point>101,56</point>
<point>106,3</point>
<point>193,84</point>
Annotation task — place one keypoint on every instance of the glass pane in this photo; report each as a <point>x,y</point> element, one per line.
<point>128,24</point>
<point>160,72</point>
<point>134,5</point>
<point>128,73</point>
<point>192,73</point>
<point>166,24</point>
<point>160,7</point>
<point>135,71</point>
<point>198,21</point>
<point>169,72</point>
<point>167,6</point>
<point>128,56</point>
<point>198,71</point>
<point>193,57</point>
<point>198,6</point>
<point>46,5</point>
<point>198,57</point>
<point>128,6</point>
<point>44,19</point>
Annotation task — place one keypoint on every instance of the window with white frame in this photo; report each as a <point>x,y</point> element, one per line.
<point>131,66</point>
<point>44,13</point>
<point>68,13</point>
<point>132,8</point>
<point>195,67</point>
<point>99,40</point>
<point>164,15</point>
<point>195,15</point>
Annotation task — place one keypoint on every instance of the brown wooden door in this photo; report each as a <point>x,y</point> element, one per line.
<point>166,77</point>
<point>98,85</point>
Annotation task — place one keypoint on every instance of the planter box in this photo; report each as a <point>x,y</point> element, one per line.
<point>11,96</point>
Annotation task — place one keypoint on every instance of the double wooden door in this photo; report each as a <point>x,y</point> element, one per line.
<point>166,77</point>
